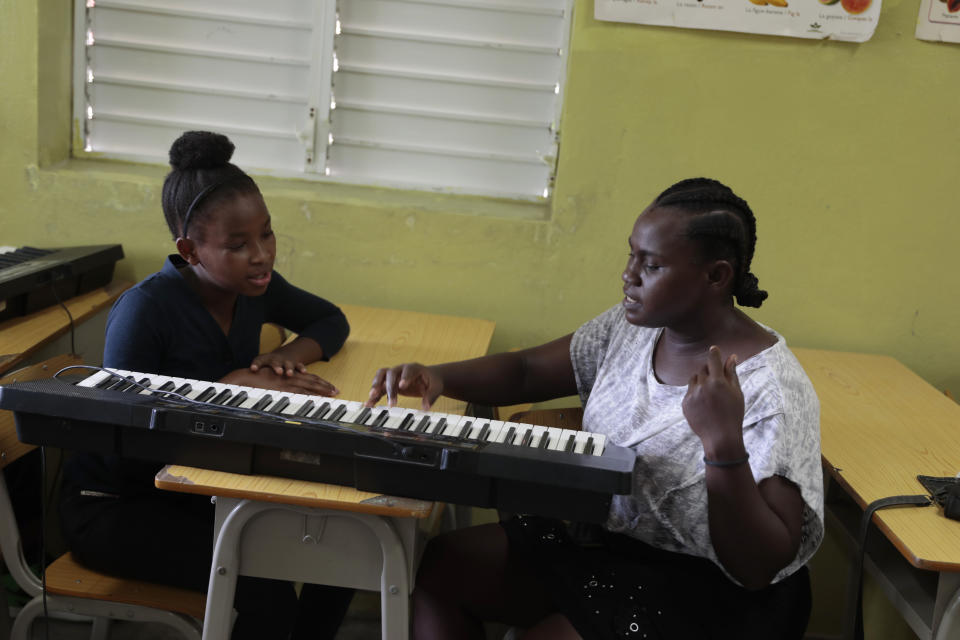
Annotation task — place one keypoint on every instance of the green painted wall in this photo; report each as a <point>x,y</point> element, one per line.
<point>848,154</point>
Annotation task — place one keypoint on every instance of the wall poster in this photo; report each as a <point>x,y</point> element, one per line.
<point>939,20</point>
<point>850,20</point>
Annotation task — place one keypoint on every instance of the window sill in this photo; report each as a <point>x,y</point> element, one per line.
<point>310,191</point>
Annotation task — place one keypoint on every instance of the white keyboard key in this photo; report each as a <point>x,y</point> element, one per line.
<point>521,435</point>
<point>583,437</point>
<point>473,433</point>
<point>455,429</point>
<point>495,427</point>
<point>539,434</point>
<point>397,415</point>
<point>563,439</point>
<point>353,410</point>
<point>439,422</point>
<point>599,443</point>
<point>504,430</point>
<point>580,441</point>
<point>552,436</point>
<point>95,379</point>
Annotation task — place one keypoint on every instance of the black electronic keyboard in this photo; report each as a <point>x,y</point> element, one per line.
<point>513,467</point>
<point>28,275</point>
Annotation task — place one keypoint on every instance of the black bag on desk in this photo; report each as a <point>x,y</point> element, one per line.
<point>945,492</point>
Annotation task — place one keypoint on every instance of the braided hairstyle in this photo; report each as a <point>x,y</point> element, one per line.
<point>201,177</point>
<point>724,225</point>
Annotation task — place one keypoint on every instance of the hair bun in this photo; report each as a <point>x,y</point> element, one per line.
<point>749,294</point>
<point>200,150</point>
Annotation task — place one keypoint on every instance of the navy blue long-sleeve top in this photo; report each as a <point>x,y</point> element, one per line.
<point>161,326</point>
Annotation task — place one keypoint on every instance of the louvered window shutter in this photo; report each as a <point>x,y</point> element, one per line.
<point>451,95</point>
<point>147,71</point>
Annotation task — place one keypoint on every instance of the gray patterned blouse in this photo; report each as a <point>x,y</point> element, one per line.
<point>613,364</point>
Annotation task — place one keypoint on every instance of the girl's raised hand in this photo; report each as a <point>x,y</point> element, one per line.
<point>713,406</point>
<point>412,379</point>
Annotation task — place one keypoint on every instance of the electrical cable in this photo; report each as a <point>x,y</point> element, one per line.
<point>43,540</point>
<point>73,345</point>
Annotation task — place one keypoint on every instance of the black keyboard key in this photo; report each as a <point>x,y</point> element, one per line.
<point>484,432</point>
<point>321,411</point>
<point>406,422</point>
<point>238,399</point>
<point>263,402</point>
<point>128,384</point>
<point>422,425</point>
<point>363,416</point>
<point>107,382</point>
<point>571,443</point>
<point>184,389</point>
<point>588,448</point>
<point>527,438</point>
<point>206,394</point>
<point>338,413</point>
<point>280,405</point>
<point>440,426</point>
<point>120,385</point>
<point>222,397</point>
<point>544,441</point>
<point>305,409</point>
<point>166,386</point>
<point>382,417</point>
<point>464,430</point>
<point>508,439</point>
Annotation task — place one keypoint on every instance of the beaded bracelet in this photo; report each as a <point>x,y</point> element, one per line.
<point>726,463</point>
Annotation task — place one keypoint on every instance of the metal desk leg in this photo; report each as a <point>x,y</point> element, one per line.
<point>223,571</point>
<point>946,613</point>
<point>394,581</point>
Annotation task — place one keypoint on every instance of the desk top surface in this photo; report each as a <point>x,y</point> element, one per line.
<point>881,425</point>
<point>387,337</point>
<point>378,338</point>
<point>285,490</point>
<point>21,336</point>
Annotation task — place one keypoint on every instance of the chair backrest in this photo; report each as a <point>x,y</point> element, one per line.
<point>142,601</point>
<point>12,449</point>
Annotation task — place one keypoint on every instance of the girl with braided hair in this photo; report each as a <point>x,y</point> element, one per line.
<point>727,500</point>
<point>200,317</point>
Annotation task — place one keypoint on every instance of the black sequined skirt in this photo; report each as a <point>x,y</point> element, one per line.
<point>613,587</point>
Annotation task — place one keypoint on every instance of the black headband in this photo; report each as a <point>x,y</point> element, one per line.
<point>193,205</point>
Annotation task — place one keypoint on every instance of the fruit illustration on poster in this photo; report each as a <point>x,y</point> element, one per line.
<point>855,6</point>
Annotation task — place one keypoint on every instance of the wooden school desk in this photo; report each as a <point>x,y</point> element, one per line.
<point>312,532</point>
<point>22,337</point>
<point>881,425</point>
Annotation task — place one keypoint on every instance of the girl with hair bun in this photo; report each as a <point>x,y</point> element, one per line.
<point>200,317</point>
<point>727,500</point>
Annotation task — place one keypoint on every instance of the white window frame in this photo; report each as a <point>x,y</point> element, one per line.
<point>121,113</point>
